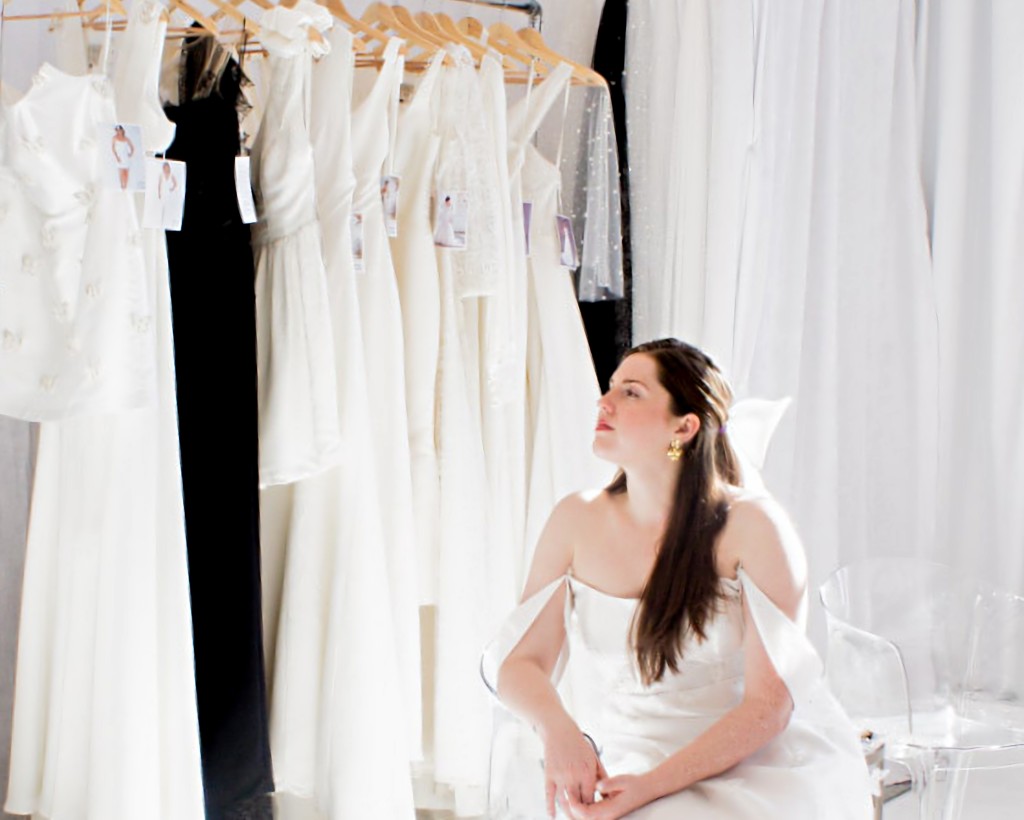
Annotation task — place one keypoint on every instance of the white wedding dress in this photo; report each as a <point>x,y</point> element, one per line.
<point>298,401</point>
<point>76,315</point>
<point>813,770</point>
<point>562,387</point>
<point>373,118</point>
<point>105,722</point>
<point>339,744</point>
<point>416,146</point>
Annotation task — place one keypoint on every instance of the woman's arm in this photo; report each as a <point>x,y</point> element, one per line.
<point>524,680</point>
<point>759,538</point>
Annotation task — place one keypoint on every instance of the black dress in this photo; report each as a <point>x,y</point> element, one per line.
<point>213,303</point>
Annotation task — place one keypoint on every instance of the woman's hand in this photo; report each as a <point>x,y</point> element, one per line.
<point>571,770</point>
<point>621,795</point>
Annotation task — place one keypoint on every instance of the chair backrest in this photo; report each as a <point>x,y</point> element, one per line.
<point>924,655</point>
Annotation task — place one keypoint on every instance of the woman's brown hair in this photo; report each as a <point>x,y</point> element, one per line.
<point>683,589</point>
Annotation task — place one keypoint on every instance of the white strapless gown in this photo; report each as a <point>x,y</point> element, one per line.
<point>813,770</point>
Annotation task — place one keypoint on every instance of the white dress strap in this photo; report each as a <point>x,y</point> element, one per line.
<point>789,649</point>
<point>512,631</point>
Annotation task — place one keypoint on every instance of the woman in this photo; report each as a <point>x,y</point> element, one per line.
<point>123,150</point>
<point>445,233</point>
<point>675,592</point>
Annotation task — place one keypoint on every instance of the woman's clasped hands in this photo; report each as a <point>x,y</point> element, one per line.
<point>574,776</point>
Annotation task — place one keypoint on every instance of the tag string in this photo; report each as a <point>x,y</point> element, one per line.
<point>396,93</point>
<point>530,78</point>
<point>561,141</point>
<point>242,136</point>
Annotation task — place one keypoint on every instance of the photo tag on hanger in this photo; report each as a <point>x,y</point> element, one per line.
<point>243,190</point>
<point>567,256</point>
<point>165,194</point>
<point>527,215</point>
<point>121,156</point>
<point>356,228</point>
<point>451,219</point>
<point>389,186</point>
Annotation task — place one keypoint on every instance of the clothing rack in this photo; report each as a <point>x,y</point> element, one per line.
<point>531,8</point>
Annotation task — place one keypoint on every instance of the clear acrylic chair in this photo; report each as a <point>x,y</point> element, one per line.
<point>934,663</point>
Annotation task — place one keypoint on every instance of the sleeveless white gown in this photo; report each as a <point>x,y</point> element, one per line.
<point>562,386</point>
<point>813,770</point>
<point>105,722</point>
<point>412,251</point>
<point>384,349</point>
<point>339,745</point>
<point>298,408</point>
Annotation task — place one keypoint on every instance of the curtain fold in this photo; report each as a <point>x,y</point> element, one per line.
<point>828,197</point>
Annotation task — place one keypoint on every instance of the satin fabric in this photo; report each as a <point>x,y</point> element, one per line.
<point>813,769</point>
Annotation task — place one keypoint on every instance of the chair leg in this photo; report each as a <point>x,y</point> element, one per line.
<point>939,784</point>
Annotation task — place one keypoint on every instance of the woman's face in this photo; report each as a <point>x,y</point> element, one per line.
<point>634,418</point>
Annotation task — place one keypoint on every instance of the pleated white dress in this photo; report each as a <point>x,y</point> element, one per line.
<point>813,770</point>
<point>339,745</point>
<point>373,117</point>
<point>105,722</point>
<point>298,406</point>
<point>412,252</point>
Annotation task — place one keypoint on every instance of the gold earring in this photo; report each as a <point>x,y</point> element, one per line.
<point>675,450</point>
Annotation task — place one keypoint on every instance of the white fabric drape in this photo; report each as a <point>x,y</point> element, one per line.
<point>827,197</point>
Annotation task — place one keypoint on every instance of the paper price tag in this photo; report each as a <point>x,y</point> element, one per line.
<point>389,187</point>
<point>243,190</point>
<point>356,228</point>
<point>451,219</point>
<point>164,202</point>
<point>567,255</point>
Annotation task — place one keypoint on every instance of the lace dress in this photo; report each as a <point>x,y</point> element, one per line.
<point>76,313</point>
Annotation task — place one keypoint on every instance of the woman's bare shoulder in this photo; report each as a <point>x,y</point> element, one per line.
<point>569,525</point>
<point>760,537</point>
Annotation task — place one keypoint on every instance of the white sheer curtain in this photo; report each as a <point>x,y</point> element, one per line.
<point>829,197</point>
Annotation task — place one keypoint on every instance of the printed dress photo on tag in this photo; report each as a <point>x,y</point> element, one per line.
<point>165,194</point>
<point>356,229</point>
<point>121,156</point>
<point>451,218</point>
<point>389,200</point>
<point>567,256</point>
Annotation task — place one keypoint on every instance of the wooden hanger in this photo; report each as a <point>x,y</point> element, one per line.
<point>471,26</point>
<point>90,15</point>
<point>209,25</point>
<point>505,40</point>
<point>444,27</point>
<point>231,10</point>
<point>385,19</point>
<point>409,23</point>
<point>355,25</point>
<point>583,75</point>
